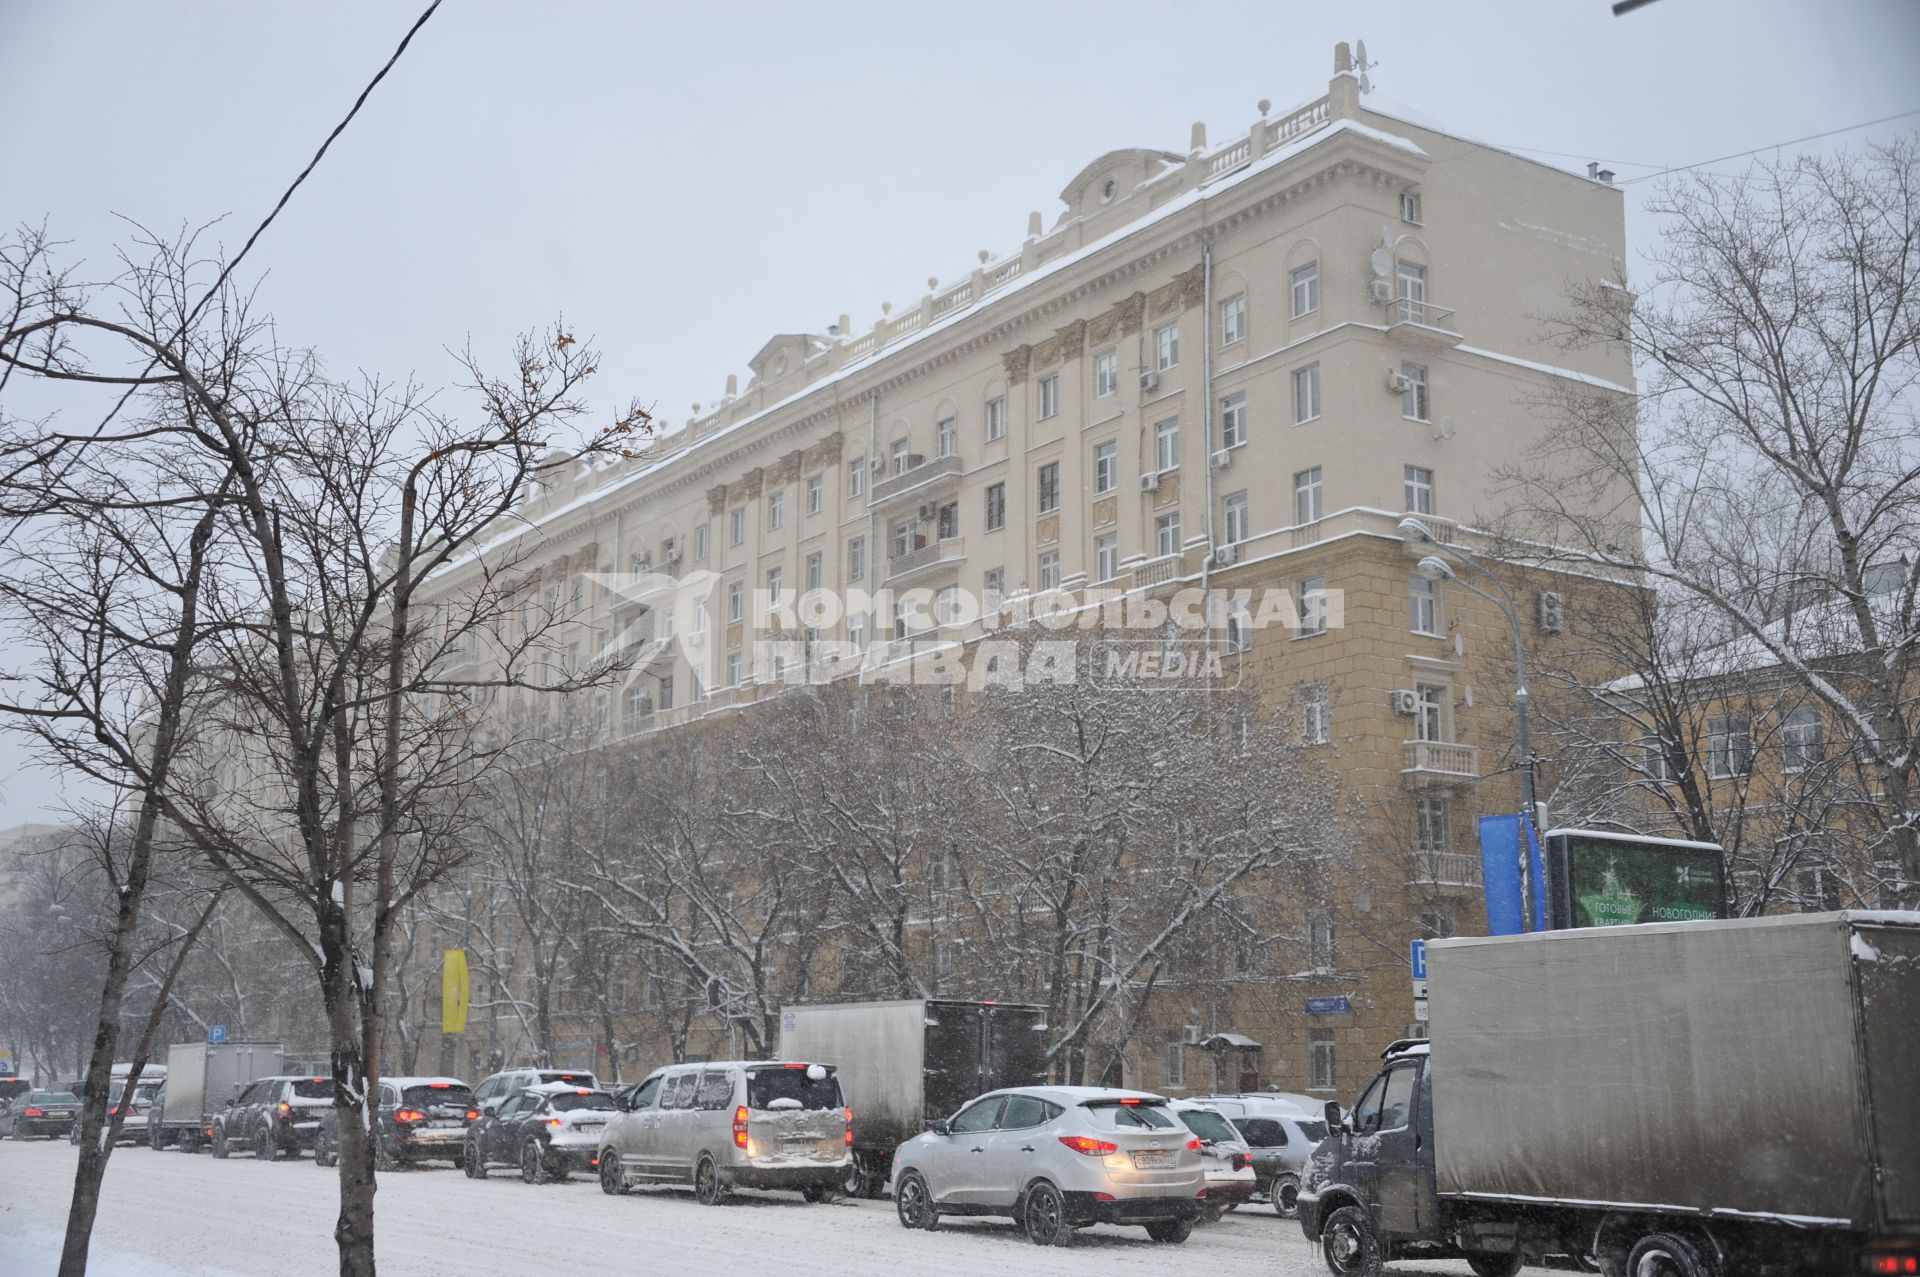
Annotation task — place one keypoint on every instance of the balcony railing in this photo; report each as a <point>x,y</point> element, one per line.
<point>1405,310</point>
<point>924,473</point>
<point>1156,571</point>
<point>1445,869</point>
<point>1440,762</point>
<point>950,550</point>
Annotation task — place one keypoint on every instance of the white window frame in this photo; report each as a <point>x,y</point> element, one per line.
<point>776,510</point>
<point>946,436</point>
<point>1233,419</point>
<point>1430,702</point>
<point>902,458</point>
<point>736,668</point>
<point>996,419</point>
<point>737,526</point>
<point>816,493</point>
<point>1410,211</point>
<point>1310,598</point>
<point>1321,941</point>
<point>1166,445</point>
<point>1306,394</point>
<point>1166,347</point>
<point>1237,517</point>
<point>1106,466</point>
<point>1317,713</point>
<point>857,475</point>
<point>857,559</point>
<point>1423,605</point>
<point>1106,556</point>
<point>1729,742</point>
<point>736,602</point>
<point>1432,824</point>
<point>857,632</point>
<point>1800,745</point>
<point>1415,404</point>
<point>1166,534</point>
<point>996,507</point>
<point>1106,373</point>
<point>1321,1072</point>
<point>1046,502</point>
<point>1309,496</point>
<point>1305,285</point>
<point>1410,282</point>
<point>1416,489</point>
<point>700,542</point>
<point>1239,624</point>
<point>1233,320</point>
<point>1050,396</point>
<point>1049,571</point>
<point>816,570</point>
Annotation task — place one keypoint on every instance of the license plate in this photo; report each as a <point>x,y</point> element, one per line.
<point>588,1126</point>
<point>1149,1158</point>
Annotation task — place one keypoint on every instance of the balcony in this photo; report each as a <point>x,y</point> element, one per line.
<point>931,555</point>
<point>1156,572</point>
<point>1444,869</point>
<point>1421,323</point>
<point>926,480</point>
<point>1435,762</point>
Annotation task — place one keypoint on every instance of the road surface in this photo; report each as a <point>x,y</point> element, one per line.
<point>169,1214</point>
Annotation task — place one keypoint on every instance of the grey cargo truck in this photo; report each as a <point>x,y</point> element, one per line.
<point>905,1064</point>
<point>1686,1099</point>
<point>202,1077</point>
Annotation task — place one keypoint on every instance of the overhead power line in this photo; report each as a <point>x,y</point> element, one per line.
<point>1773,146</point>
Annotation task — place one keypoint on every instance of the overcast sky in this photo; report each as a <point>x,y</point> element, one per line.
<point>683,181</point>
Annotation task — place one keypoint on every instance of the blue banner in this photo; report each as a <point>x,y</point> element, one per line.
<point>1500,855</point>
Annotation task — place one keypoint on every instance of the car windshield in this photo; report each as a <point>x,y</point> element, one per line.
<point>1131,1117</point>
<point>319,1088</point>
<point>567,1103</point>
<point>437,1095</point>
<point>1261,1132</point>
<point>764,1086</point>
<point>1208,1125</point>
<point>54,1097</point>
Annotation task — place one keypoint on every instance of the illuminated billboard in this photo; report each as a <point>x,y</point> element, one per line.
<point>1602,879</point>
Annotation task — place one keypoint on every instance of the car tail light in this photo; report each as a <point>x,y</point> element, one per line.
<point>409,1115</point>
<point>1089,1145</point>
<point>849,1126</point>
<point>473,1115</point>
<point>285,1107</point>
<point>554,1121</point>
<point>33,1113</point>
<point>793,1065</point>
<point>740,1127</point>
<point>114,1111</point>
<point>1194,1143</point>
<point>1103,1197</point>
<point>1130,1100</point>
<point>1894,1264</point>
<point>1241,1161</point>
<point>1201,1193</point>
<point>439,1086</point>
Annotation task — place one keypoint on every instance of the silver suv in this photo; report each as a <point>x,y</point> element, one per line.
<point>498,1086</point>
<point>1281,1138</point>
<point>1056,1158</point>
<point>732,1124</point>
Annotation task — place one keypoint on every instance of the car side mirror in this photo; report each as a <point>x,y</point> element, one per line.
<point>1336,1120</point>
<point>941,1127</point>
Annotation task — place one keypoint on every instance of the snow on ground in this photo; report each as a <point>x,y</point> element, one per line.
<point>170,1214</point>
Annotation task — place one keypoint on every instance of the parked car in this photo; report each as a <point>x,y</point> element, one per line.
<point>498,1086</point>
<point>48,1113</point>
<point>1224,1156</point>
<point>11,1086</point>
<point>548,1131</point>
<point>134,1129</point>
<point>418,1119</point>
<point>1056,1158</point>
<point>729,1124</point>
<point>275,1117</point>
<point>1280,1137</point>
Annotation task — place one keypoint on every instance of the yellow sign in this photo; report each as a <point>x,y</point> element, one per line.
<point>455,990</point>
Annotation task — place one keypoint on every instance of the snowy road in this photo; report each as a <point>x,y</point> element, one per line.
<point>169,1214</point>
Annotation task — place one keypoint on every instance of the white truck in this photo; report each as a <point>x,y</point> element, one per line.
<point>201,1077</point>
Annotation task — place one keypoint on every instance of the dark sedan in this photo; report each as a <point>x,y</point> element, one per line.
<point>48,1113</point>
<point>420,1119</point>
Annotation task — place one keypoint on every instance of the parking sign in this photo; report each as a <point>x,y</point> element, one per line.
<point>1419,959</point>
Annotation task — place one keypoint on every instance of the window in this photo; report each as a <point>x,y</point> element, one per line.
<point>736,602</point>
<point>1166,347</point>
<point>1413,400</point>
<point>733,669</point>
<point>1106,557</point>
<point>666,691</point>
<point>1239,625</point>
<point>993,590</point>
<point>1410,207</point>
<point>1395,1102</point>
<point>1320,1075</point>
<point>1166,534</point>
<point>1653,757</point>
<point>947,605</point>
<point>857,476</point>
<point>700,618</point>
<point>816,493</point>
<point>902,459</point>
<point>946,435</point>
<point>1049,494</point>
<point>1320,941</point>
<point>1233,420</point>
<point>1238,521</point>
<point>996,506</point>
<point>696,691</point>
<point>1317,713</point>
<point>1233,319</point>
<point>1306,289</point>
<point>715,1091</point>
<point>947,522</point>
<point>1423,598</point>
<point>1050,569</point>
<point>1306,394</point>
<point>1437,926</point>
<point>1175,1066</point>
<point>1025,1112</point>
<point>700,543</point>
<point>906,538</point>
<point>1166,445</point>
<point>635,705</point>
<point>996,419</point>
<point>1050,396</point>
<point>857,559</point>
<point>737,526</point>
<point>814,572</point>
<point>1410,282</point>
<point>857,633</point>
<point>1729,746</point>
<point>977,1117</point>
<point>1106,466</point>
<point>1430,824</point>
<point>1429,712</point>
<point>1417,489</point>
<point>1308,496</point>
<point>1800,739</point>
<point>777,510</point>
<point>1106,374</point>
<point>1312,604</point>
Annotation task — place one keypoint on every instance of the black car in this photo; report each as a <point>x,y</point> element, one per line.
<point>420,1119</point>
<point>48,1113</point>
<point>11,1086</point>
<point>547,1131</point>
<point>275,1117</point>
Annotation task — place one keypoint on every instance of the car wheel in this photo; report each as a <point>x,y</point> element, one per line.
<point>817,1193</point>
<point>1171,1231</point>
<point>1214,1214</point>
<point>1349,1245</point>
<point>73,1135</point>
<point>1044,1216</point>
<point>383,1158</point>
<point>266,1144</point>
<point>613,1181</point>
<point>708,1189</point>
<point>320,1149</point>
<point>1495,1263</point>
<point>1286,1196</point>
<point>914,1204</point>
<point>1664,1255</point>
<point>475,1162</point>
<point>220,1148</point>
<point>533,1163</point>
<point>854,1183</point>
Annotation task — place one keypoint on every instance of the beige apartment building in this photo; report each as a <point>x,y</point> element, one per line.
<point>1232,367</point>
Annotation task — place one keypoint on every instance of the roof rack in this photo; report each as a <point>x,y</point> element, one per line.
<point>1402,1044</point>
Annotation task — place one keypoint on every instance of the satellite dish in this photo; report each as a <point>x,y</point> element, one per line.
<point>1443,429</point>
<point>1382,262</point>
<point>1386,237</point>
<point>1360,49</point>
<point>1366,85</point>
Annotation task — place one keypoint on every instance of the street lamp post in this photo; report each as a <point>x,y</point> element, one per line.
<point>1434,567</point>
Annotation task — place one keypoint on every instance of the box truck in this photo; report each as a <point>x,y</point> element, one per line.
<point>201,1078</point>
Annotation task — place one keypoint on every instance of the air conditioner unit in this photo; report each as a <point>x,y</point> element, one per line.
<point>1149,381</point>
<point>1406,701</point>
<point>1226,555</point>
<point>1223,458</point>
<point>1150,483</point>
<point>1553,611</point>
<point>1379,290</point>
<point>929,511</point>
<point>1190,1035</point>
<point>878,465</point>
<point>1399,383</point>
<point>672,555</point>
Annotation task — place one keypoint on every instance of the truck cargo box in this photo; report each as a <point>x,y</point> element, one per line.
<point>203,1076</point>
